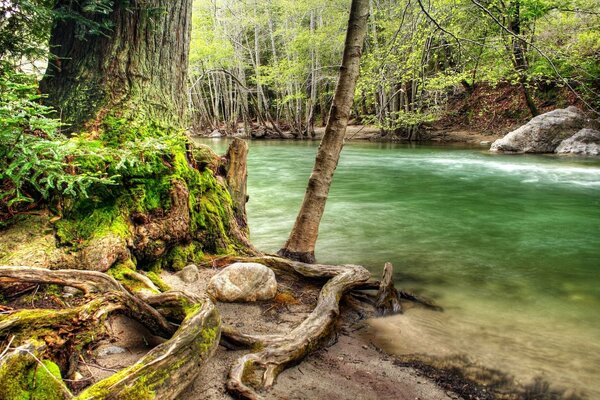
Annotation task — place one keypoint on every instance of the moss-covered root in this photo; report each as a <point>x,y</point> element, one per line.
<point>170,367</point>
<point>24,376</point>
<point>261,368</point>
<point>94,282</point>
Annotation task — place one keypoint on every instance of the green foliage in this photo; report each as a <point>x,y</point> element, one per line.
<point>35,159</point>
<point>412,62</point>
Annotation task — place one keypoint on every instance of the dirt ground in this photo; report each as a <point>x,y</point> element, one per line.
<point>348,367</point>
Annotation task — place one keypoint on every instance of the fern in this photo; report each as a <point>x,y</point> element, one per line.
<point>34,157</point>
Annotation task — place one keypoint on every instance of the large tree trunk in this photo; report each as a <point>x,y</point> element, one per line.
<point>136,69</point>
<point>301,243</point>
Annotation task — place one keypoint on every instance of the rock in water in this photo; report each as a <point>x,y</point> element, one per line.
<point>543,133</point>
<point>586,142</point>
<point>243,282</point>
<point>215,134</point>
<point>189,274</point>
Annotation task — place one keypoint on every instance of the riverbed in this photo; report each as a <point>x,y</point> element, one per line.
<point>508,245</point>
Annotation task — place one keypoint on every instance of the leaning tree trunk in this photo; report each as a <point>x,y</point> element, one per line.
<point>135,68</point>
<point>301,243</point>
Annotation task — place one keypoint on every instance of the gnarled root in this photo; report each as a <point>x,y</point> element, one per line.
<point>387,301</point>
<point>162,374</point>
<point>93,282</point>
<point>278,351</point>
<point>169,368</point>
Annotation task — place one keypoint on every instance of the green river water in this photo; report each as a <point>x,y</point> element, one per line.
<point>508,245</point>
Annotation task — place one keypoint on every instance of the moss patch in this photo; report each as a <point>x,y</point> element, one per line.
<point>88,221</point>
<point>23,378</point>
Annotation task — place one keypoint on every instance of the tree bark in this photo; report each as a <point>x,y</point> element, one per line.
<point>520,58</point>
<point>137,69</point>
<point>301,242</point>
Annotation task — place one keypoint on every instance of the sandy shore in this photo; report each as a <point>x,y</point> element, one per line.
<point>348,367</point>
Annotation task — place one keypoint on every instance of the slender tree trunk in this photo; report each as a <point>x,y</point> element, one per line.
<point>301,243</point>
<point>128,71</point>
<point>520,59</point>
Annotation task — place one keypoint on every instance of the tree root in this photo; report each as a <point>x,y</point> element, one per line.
<point>387,301</point>
<point>278,351</point>
<point>163,373</point>
<point>93,282</point>
<point>169,368</point>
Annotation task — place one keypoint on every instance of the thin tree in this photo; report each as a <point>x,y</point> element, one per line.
<point>301,242</point>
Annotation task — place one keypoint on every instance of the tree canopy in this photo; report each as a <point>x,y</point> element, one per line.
<point>276,60</point>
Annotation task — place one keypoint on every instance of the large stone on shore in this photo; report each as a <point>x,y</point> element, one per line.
<point>543,133</point>
<point>243,282</point>
<point>586,142</point>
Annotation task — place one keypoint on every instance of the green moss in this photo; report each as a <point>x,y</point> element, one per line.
<point>101,389</point>
<point>23,378</point>
<point>46,383</point>
<point>122,272</point>
<point>13,379</point>
<point>183,255</point>
<point>155,278</point>
<point>139,391</point>
<point>88,220</point>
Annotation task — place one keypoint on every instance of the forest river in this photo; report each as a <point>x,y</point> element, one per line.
<point>508,245</point>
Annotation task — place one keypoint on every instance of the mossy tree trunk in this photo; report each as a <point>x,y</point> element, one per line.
<point>136,68</point>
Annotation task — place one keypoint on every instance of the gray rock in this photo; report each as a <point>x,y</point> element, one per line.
<point>71,291</point>
<point>110,350</point>
<point>215,134</point>
<point>586,142</point>
<point>243,282</point>
<point>188,274</point>
<point>543,133</point>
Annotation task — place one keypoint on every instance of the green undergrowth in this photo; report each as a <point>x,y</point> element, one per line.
<point>145,169</point>
<point>106,181</point>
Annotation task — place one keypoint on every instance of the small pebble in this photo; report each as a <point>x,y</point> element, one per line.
<point>109,350</point>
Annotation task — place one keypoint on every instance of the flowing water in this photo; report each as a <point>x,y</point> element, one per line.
<point>508,245</point>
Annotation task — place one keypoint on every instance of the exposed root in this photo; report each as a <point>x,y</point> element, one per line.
<point>169,368</point>
<point>278,351</point>
<point>93,282</point>
<point>163,373</point>
<point>388,302</point>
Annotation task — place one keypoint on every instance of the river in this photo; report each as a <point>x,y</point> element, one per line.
<point>509,245</point>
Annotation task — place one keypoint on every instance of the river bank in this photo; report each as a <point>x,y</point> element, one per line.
<point>372,133</point>
<point>349,366</point>
<point>506,244</point>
